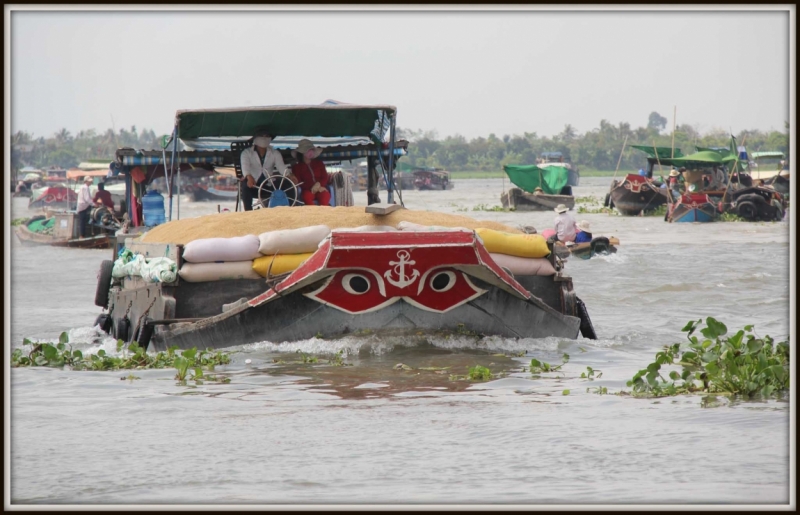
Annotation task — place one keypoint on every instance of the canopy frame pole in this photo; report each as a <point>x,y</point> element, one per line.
<point>733,168</point>
<point>674,118</point>
<point>179,171</point>
<point>171,165</point>
<point>620,158</point>
<point>390,182</point>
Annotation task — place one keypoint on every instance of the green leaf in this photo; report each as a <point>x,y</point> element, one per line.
<point>778,371</point>
<point>50,352</point>
<point>708,357</point>
<point>716,327</point>
<point>674,375</point>
<point>535,363</point>
<point>753,346</point>
<point>40,360</point>
<point>27,341</point>
<point>653,367</point>
<point>77,354</point>
<point>101,353</point>
<point>565,392</point>
<point>748,328</point>
<point>61,346</point>
<point>690,327</point>
<point>685,374</point>
<point>736,339</point>
<point>712,368</point>
<point>63,338</point>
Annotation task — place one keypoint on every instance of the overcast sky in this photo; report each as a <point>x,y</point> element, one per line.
<point>457,72</point>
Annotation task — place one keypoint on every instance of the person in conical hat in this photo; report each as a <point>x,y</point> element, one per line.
<point>311,174</point>
<point>564,224</point>
<point>583,234</point>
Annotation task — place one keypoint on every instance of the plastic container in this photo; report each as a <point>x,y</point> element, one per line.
<point>153,208</point>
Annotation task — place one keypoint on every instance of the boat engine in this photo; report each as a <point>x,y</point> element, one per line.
<point>103,216</point>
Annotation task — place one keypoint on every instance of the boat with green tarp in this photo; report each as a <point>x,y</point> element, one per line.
<point>539,188</point>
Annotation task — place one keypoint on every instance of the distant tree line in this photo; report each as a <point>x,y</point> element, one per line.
<point>66,150</point>
<point>597,149</point>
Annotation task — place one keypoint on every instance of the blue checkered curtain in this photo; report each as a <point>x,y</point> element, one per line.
<point>157,160</point>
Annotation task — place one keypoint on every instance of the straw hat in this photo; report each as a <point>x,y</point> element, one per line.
<point>583,225</point>
<point>784,173</point>
<point>561,208</point>
<point>304,146</point>
<point>88,178</point>
<point>674,173</point>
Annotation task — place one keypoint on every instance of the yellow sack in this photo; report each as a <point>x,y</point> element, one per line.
<point>520,245</point>
<point>281,264</point>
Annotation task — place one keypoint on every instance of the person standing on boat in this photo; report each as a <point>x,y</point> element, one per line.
<point>311,174</point>
<point>583,235</point>
<point>84,205</point>
<point>258,162</point>
<point>102,197</point>
<point>564,224</point>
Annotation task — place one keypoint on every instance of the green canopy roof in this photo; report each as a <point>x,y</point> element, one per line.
<point>769,154</point>
<point>326,120</point>
<point>663,152</point>
<point>529,177</point>
<point>702,159</point>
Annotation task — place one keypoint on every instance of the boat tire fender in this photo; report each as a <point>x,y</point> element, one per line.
<point>103,283</point>
<point>600,245</point>
<point>145,333</point>
<point>104,321</point>
<point>747,210</point>
<point>607,201</point>
<point>122,329</point>
<point>587,329</point>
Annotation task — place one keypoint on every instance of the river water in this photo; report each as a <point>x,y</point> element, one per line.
<point>368,433</point>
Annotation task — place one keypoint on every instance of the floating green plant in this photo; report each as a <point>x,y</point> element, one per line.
<point>742,364</point>
<point>486,207</point>
<point>731,217</point>
<point>479,373</point>
<point>537,367</point>
<point>131,356</point>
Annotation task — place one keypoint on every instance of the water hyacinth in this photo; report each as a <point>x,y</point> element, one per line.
<point>742,364</point>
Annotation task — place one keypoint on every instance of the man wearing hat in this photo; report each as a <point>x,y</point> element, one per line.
<point>258,162</point>
<point>674,184</point>
<point>564,224</point>
<point>584,235</point>
<point>311,174</point>
<point>84,205</point>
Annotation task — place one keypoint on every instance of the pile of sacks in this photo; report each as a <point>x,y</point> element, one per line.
<point>278,252</point>
<point>153,270</point>
<point>250,256</point>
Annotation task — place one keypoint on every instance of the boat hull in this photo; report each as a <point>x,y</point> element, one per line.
<point>411,283</point>
<point>635,194</point>
<point>30,238</point>
<point>519,200</point>
<point>693,208</point>
<point>200,194</point>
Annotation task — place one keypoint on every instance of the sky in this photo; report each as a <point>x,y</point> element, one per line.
<point>453,71</point>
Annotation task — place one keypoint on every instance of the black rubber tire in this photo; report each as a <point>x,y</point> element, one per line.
<point>600,245</point>
<point>145,333</point>
<point>104,321</point>
<point>103,283</point>
<point>587,329</point>
<point>747,210</point>
<point>122,329</point>
<point>607,201</point>
<point>778,210</point>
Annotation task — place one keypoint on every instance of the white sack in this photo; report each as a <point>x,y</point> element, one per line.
<point>524,266</point>
<point>205,272</point>
<point>208,250</point>
<point>292,241</point>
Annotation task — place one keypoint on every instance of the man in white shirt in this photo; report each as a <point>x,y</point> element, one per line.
<point>564,224</point>
<point>258,162</point>
<point>84,205</point>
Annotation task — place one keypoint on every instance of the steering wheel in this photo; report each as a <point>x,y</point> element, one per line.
<point>277,182</point>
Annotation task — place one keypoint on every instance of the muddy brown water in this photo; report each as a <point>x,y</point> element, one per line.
<point>287,431</point>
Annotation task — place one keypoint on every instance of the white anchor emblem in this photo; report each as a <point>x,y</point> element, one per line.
<point>400,269</point>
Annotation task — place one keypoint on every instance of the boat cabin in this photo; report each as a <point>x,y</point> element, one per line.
<point>206,139</point>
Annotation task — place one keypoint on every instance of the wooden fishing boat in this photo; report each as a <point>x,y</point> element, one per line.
<point>599,246</point>
<point>365,280</point>
<point>540,188</point>
<point>435,179</point>
<point>635,194</point>
<point>692,207</point>
<point>64,230</point>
